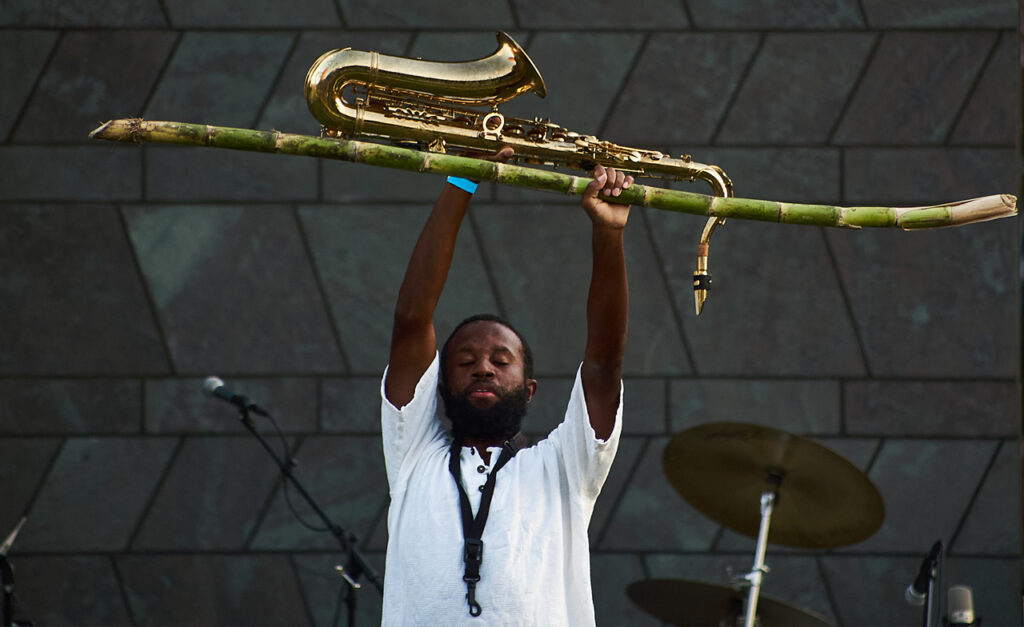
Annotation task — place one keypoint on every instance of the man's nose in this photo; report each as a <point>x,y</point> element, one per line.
<point>483,369</point>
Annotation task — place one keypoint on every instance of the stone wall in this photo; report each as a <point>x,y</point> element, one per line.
<point>129,273</point>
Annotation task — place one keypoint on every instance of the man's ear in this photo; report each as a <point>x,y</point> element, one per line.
<point>531,389</point>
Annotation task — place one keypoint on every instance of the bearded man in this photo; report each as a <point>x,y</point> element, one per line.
<point>448,501</point>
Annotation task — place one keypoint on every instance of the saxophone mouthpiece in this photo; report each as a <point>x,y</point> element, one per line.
<point>701,285</point>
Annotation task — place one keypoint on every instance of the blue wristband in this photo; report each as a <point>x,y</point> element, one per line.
<point>465,185</point>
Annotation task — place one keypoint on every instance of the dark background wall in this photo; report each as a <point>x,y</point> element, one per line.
<point>127,274</point>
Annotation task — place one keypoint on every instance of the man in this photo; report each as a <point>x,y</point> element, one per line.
<point>533,566</point>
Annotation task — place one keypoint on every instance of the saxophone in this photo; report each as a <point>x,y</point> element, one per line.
<point>453,107</point>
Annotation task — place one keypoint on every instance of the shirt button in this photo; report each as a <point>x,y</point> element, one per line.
<point>481,469</point>
<point>481,488</point>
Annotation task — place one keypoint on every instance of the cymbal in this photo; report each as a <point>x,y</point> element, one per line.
<point>823,501</point>
<point>696,604</point>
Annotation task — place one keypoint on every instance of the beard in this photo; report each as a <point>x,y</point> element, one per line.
<point>499,422</point>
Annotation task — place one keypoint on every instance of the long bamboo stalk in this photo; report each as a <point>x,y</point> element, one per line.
<point>948,214</point>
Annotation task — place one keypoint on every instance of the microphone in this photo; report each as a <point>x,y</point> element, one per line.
<point>961,607</point>
<point>215,387</point>
<point>917,592</point>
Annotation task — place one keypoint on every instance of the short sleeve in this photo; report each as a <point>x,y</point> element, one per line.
<point>406,430</point>
<point>587,458</point>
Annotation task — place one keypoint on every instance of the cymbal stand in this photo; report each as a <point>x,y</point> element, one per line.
<point>768,499</point>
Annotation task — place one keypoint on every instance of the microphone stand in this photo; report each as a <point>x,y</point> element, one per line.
<point>7,602</point>
<point>931,600</point>
<point>357,565</point>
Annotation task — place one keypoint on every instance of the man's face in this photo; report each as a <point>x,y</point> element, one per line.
<point>487,387</point>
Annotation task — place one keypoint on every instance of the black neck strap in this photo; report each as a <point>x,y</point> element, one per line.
<point>473,527</point>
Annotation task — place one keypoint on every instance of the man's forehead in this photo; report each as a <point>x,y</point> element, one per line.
<point>487,334</point>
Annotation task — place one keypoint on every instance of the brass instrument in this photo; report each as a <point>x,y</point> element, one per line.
<point>453,107</point>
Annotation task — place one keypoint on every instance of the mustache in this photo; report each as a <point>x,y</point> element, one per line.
<point>499,421</point>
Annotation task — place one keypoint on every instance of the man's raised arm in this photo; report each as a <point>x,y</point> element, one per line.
<point>413,343</point>
<point>607,302</point>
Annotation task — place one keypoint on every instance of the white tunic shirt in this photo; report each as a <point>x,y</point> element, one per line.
<point>536,557</point>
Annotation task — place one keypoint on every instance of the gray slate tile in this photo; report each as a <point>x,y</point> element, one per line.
<point>213,495</point>
<point>286,108</point>
<point>351,405</point>
<point>66,406</point>
<point>547,409</point>
<point>961,14</point>
<point>324,589</point>
<point>345,475</point>
<point>680,87</point>
<point>796,88</point>
<point>794,580</point>
<point>77,511</point>
<point>645,406</point>
<point>583,72</point>
<point>211,589</point>
<point>799,407</point>
<point>205,83</point>
<point>358,183</point>
<point>925,495</point>
<point>69,590</point>
<point>775,307</point>
<point>630,449</point>
<point>94,76</point>
<point>599,14</point>
<point>651,516</point>
<point>990,528</point>
<point>922,176</point>
<point>991,116</point>
<point>23,54</point>
<point>558,274</point>
<point>772,14</point>
<point>174,174</point>
<point>906,321</point>
<point>409,13</point>
<point>361,254</point>
<point>87,173</point>
<point>608,575</point>
<point>459,46</point>
<point>246,14</point>
<point>923,78</point>
<point>883,579</point>
<point>23,464</point>
<point>82,14</point>
<point>961,408</point>
<point>234,289</point>
<point>176,406</point>
<point>806,175</point>
<point>76,302</point>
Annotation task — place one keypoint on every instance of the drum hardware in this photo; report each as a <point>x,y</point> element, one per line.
<point>696,604</point>
<point>722,469</point>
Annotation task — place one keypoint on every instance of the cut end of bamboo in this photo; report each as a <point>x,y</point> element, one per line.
<point>124,129</point>
<point>959,213</point>
<point>102,131</point>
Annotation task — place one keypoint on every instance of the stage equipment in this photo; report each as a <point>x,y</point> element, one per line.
<point>444,108</point>
<point>695,604</point>
<point>809,496</point>
<point>8,600</point>
<point>357,565</point>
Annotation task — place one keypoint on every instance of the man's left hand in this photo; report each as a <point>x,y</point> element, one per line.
<point>608,183</point>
